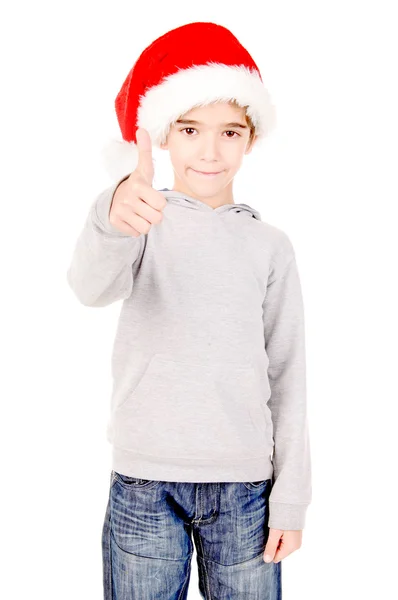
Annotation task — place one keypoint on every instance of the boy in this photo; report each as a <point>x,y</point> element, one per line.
<point>208,421</point>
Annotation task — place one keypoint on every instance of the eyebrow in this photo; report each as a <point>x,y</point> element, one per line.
<point>191,122</point>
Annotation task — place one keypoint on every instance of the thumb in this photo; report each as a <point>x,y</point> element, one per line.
<point>145,164</point>
<point>271,547</point>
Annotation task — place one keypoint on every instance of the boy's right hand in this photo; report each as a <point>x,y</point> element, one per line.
<point>136,206</point>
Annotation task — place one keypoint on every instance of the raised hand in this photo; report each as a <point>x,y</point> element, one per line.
<point>136,206</point>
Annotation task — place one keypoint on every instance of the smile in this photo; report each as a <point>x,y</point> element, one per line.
<point>206,174</point>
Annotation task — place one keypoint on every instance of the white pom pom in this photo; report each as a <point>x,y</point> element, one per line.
<point>119,158</point>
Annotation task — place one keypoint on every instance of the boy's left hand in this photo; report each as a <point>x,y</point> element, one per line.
<point>282,543</point>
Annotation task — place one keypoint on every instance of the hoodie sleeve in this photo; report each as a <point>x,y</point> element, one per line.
<point>284,332</point>
<point>101,268</point>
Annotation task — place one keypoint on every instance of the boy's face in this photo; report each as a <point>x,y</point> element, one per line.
<point>211,144</point>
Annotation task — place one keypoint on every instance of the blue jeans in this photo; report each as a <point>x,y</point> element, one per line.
<point>147,546</point>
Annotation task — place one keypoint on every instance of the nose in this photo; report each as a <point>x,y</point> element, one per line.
<point>209,150</point>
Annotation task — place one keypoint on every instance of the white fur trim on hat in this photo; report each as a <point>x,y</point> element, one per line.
<point>119,158</point>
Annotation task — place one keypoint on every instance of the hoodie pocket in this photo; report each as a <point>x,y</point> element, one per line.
<point>186,410</point>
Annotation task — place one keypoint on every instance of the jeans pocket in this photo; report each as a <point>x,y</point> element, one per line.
<point>133,482</point>
<point>255,485</point>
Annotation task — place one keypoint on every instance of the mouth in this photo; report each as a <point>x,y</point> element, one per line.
<point>207,173</point>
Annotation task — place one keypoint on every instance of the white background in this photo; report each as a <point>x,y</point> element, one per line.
<point>327,176</point>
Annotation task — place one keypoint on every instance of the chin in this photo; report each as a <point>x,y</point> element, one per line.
<point>206,187</point>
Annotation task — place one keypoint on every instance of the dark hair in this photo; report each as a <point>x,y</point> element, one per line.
<point>248,120</point>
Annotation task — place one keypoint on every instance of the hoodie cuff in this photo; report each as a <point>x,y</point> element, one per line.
<point>102,208</point>
<point>287,516</point>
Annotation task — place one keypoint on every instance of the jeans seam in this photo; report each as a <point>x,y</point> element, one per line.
<point>184,587</point>
<point>108,581</point>
<point>206,576</point>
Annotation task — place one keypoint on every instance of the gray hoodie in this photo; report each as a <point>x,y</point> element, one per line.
<point>208,362</point>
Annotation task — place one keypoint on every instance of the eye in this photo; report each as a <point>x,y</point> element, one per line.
<point>230,136</point>
<point>186,129</point>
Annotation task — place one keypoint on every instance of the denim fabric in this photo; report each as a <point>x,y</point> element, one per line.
<point>147,540</point>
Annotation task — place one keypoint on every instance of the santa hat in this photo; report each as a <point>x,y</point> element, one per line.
<point>190,66</point>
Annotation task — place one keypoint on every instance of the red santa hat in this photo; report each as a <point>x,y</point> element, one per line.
<point>190,66</point>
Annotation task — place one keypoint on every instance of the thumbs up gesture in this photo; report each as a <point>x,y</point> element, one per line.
<point>136,206</point>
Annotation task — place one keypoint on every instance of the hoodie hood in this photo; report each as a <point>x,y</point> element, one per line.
<point>182,199</point>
